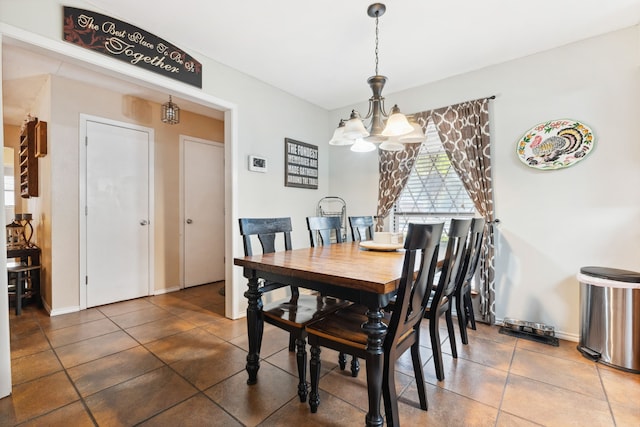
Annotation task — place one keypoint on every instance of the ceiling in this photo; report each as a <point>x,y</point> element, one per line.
<point>325,54</point>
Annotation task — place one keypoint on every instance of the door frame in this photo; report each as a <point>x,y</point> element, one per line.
<point>84,119</point>
<point>181,218</point>
<point>5,340</point>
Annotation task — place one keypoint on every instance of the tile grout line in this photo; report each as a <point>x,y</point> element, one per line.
<point>606,395</point>
<point>73,384</point>
<point>506,382</point>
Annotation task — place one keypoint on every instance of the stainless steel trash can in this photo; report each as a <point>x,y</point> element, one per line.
<point>610,316</point>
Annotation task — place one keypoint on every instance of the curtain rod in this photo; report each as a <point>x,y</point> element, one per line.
<point>457,103</point>
<point>486,97</point>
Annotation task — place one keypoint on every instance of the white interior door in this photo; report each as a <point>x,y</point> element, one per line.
<point>117,213</point>
<point>203,211</point>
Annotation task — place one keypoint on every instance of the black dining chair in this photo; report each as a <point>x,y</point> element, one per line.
<point>322,230</point>
<point>294,313</point>
<point>342,330</point>
<point>361,228</point>
<point>440,301</point>
<point>462,293</point>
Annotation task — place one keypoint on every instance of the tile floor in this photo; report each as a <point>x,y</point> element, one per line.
<point>174,359</point>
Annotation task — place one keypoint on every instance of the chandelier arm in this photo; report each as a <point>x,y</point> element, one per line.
<point>384,112</point>
<point>370,112</point>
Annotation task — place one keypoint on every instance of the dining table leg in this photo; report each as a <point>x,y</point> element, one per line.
<point>376,331</point>
<point>255,327</point>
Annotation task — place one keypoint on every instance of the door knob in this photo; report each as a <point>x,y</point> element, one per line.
<point>189,221</point>
<point>144,222</point>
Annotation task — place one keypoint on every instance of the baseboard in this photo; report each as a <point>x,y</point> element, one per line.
<point>166,290</point>
<point>46,306</point>
<point>567,336</point>
<point>64,310</point>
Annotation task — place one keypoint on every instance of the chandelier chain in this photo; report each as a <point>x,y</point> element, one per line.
<point>376,51</point>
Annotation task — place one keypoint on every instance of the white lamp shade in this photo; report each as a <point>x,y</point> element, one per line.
<point>417,135</point>
<point>391,145</point>
<point>339,139</point>
<point>355,129</point>
<point>362,146</point>
<point>397,124</point>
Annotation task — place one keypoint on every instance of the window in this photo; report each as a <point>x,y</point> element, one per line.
<point>433,191</point>
<point>9,187</point>
<point>9,192</point>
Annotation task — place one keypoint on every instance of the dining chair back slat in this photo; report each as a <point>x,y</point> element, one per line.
<point>266,230</point>
<point>322,228</point>
<point>361,228</point>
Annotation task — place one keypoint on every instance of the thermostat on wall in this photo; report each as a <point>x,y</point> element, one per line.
<point>257,164</point>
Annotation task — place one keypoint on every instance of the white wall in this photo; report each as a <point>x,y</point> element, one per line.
<point>552,222</point>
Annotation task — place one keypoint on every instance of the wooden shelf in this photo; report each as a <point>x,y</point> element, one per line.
<point>28,161</point>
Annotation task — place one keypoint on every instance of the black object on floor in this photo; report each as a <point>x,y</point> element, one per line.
<point>544,339</point>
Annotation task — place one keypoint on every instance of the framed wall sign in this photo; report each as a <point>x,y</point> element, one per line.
<point>257,164</point>
<point>300,164</point>
<point>125,42</point>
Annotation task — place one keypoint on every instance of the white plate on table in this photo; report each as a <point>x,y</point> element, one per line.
<point>384,247</point>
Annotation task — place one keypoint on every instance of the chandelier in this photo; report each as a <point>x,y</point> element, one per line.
<point>390,134</point>
<point>170,113</point>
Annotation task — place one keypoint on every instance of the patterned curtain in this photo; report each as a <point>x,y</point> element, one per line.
<point>395,168</point>
<point>464,131</point>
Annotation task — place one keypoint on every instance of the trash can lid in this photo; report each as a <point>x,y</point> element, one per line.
<point>612,274</point>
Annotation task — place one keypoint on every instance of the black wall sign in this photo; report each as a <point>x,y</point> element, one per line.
<point>125,42</point>
<point>300,164</point>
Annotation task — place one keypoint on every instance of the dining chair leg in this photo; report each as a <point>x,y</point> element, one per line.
<point>301,356</point>
<point>389,395</point>
<point>355,366</point>
<point>419,375</point>
<point>342,361</point>
<point>469,307</point>
<point>452,334</point>
<point>314,366</point>
<point>292,343</point>
<point>436,348</point>
<point>461,312</point>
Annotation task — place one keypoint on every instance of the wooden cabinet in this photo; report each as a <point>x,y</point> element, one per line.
<point>28,161</point>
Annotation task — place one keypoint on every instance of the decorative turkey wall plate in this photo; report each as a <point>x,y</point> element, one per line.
<point>555,144</point>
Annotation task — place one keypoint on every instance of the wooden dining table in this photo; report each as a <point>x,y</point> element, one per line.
<point>342,270</point>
